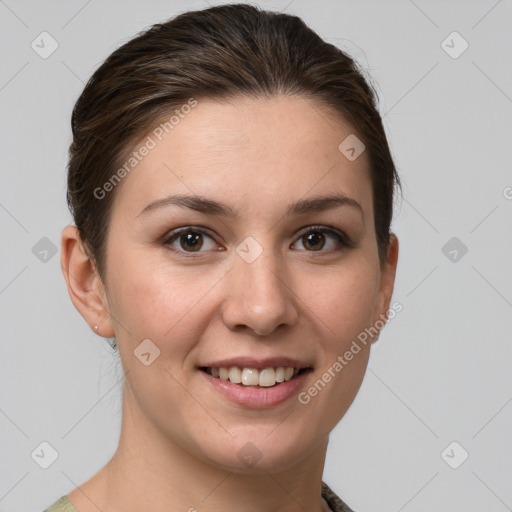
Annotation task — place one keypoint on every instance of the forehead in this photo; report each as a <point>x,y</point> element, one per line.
<point>252,152</point>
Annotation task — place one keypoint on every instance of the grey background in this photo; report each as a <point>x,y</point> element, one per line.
<point>441,369</point>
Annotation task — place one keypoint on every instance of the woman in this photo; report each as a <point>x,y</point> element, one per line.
<point>232,191</point>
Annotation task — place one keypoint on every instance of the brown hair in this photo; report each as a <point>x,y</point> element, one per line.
<point>219,52</point>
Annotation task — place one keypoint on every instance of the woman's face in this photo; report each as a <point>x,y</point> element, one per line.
<point>264,273</point>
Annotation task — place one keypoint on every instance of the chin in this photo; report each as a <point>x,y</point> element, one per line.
<point>259,450</point>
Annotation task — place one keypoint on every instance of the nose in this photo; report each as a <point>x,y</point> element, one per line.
<point>258,298</point>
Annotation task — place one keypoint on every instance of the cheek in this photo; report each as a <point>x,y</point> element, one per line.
<point>154,301</point>
<point>160,301</point>
<point>344,299</point>
<point>342,308</point>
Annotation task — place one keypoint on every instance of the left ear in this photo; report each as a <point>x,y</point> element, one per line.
<point>387,282</point>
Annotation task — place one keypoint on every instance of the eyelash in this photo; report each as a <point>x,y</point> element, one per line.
<point>341,238</point>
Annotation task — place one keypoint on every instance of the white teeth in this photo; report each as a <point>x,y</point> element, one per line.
<point>267,377</point>
<point>235,375</point>
<point>250,377</point>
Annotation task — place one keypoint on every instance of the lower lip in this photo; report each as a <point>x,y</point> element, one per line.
<point>257,398</point>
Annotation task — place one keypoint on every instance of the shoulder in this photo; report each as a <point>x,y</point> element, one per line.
<point>61,505</point>
<point>333,500</point>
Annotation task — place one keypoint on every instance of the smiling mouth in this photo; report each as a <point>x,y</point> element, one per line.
<point>252,377</point>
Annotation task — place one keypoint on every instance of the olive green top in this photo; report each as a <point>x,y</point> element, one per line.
<point>334,502</point>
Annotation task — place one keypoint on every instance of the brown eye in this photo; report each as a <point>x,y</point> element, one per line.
<point>191,241</point>
<point>314,239</point>
<point>188,240</point>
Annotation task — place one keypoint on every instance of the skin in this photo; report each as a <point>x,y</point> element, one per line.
<point>256,156</point>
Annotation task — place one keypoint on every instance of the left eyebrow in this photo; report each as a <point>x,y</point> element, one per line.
<point>212,207</point>
<point>322,203</point>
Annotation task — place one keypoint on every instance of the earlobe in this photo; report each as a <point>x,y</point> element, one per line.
<point>84,284</point>
<point>386,285</point>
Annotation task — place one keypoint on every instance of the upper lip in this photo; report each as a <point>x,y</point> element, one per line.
<point>259,364</point>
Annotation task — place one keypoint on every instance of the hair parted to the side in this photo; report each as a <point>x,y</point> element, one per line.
<point>219,52</point>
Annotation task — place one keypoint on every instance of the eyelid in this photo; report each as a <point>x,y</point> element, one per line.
<point>326,228</point>
<point>175,234</point>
